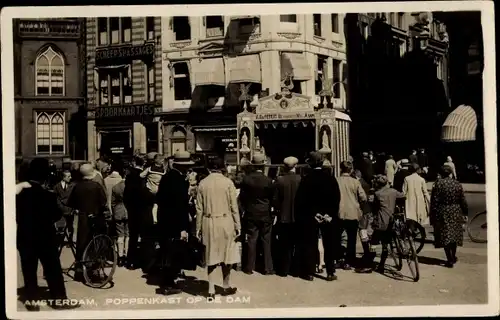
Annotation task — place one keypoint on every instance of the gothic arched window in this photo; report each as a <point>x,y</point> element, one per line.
<point>49,69</point>
<point>50,133</point>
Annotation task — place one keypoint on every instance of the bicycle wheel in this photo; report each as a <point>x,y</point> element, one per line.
<point>476,228</point>
<point>418,234</point>
<point>412,258</point>
<point>396,255</point>
<point>99,261</point>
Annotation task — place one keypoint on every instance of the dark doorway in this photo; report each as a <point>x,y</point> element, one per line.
<point>291,139</point>
<point>116,143</point>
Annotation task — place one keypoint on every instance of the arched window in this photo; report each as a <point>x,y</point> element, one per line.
<point>178,140</point>
<point>50,133</point>
<point>49,66</point>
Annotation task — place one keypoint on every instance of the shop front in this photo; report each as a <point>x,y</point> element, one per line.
<point>287,124</point>
<point>118,130</point>
<point>123,122</point>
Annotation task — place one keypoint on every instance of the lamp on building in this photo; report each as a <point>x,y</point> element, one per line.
<point>423,39</point>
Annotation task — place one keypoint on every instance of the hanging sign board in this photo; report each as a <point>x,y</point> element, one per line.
<point>285,116</point>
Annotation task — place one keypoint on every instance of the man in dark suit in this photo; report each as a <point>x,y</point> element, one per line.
<point>62,191</point>
<point>317,207</point>
<point>36,213</point>
<point>284,201</point>
<point>88,198</point>
<point>138,200</point>
<point>366,168</point>
<point>256,195</point>
<point>173,218</point>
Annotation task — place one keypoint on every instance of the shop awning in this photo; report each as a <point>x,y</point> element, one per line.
<point>245,69</point>
<point>209,72</point>
<point>295,63</point>
<point>460,125</point>
<point>243,17</point>
<point>115,67</point>
<point>214,128</point>
<point>342,116</point>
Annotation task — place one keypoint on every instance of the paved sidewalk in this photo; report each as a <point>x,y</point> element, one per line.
<point>468,187</point>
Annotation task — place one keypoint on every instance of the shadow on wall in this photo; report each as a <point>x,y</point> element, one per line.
<point>392,96</point>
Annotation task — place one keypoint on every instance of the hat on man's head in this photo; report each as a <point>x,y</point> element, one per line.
<point>183,158</point>
<point>258,158</point>
<point>315,159</point>
<point>290,162</point>
<point>87,171</point>
<point>151,155</point>
<point>405,162</point>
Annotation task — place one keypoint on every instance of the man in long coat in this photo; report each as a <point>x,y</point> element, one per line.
<point>284,201</point>
<point>173,217</point>
<point>317,207</point>
<point>417,196</point>
<point>366,168</point>
<point>218,225</point>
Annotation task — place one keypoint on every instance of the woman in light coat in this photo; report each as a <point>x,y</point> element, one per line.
<point>417,197</point>
<point>449,163</point>
<point>218,225</point>
<point>390,169</point>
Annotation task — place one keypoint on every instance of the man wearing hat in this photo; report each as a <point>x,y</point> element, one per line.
<point>284,201</point>
<point>401,174</point>
<point>366,167</point>
<point>256,196</point>
<point>173,216</point>
<point>317,208</point>
<point>88,198</point>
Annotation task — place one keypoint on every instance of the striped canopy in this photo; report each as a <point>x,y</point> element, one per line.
<point>460,125</point>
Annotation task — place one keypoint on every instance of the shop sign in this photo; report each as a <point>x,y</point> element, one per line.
<point>129,52</point>
<point>286,116</point>
<point>137,111</point>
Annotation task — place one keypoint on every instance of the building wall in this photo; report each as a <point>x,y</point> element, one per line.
<point>32,37</point>
<point>139,85</point>
<point>395,84</point>
<point>268,40</point>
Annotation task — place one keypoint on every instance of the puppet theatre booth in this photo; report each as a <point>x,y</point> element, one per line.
<point>287,124</point>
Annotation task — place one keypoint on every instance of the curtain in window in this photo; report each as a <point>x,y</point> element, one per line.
<point>49,73</point>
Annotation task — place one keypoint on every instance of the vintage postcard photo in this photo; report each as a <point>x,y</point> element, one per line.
<point>301,160</point>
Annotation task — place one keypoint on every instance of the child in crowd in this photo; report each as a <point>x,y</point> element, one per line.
<point>153,175</point>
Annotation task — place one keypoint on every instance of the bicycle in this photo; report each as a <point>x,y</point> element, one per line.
<point>402,246</point>
<point>477,228</point>
<point>99,255</point>
<point>101,252</point>
<point>416,229</point>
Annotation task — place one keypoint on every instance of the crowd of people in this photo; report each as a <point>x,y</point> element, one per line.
<point>298,219</point>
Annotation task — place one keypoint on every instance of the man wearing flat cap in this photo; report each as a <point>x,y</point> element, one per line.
<point>316,209</point>
<point>173,216</point>
<point>256,195</point>
<point>284,201</point>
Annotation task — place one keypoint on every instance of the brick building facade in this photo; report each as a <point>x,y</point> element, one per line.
<point>49,89</point>
<point>124,85</point>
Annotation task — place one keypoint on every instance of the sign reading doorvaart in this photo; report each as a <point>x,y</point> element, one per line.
<point>136,111</point>
<point>285,116</point>
<point>132,52</point>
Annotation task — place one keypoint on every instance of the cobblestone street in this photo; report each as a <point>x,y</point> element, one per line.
<point>464,284</point>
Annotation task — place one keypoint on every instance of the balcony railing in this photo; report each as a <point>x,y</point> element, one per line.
<point>49,28</point>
